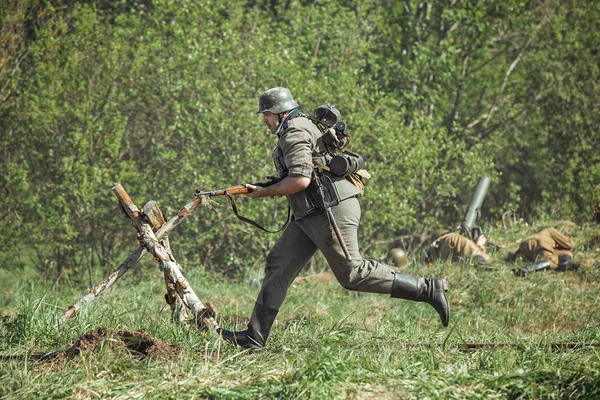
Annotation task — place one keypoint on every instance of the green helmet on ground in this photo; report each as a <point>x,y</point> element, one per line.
<point>276,100</point>
<point>399,257</point>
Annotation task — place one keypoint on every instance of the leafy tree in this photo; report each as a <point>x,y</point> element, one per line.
<point>161,96</point>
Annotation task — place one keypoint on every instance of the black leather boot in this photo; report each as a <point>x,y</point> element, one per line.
<point>258,330</point>
<point>525,270</point>
<point>428,290</point>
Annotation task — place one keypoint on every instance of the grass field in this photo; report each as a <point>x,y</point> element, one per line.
<point>509,338</point>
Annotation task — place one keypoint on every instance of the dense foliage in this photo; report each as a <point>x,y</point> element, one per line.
<point>160,96</point>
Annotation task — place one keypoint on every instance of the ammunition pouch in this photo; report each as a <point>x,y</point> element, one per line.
<point>309,200</point>
<point>332,197</point>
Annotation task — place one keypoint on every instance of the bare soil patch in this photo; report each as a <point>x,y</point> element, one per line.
<point>138,343</point>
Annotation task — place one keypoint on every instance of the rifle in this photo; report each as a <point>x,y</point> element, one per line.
<point>467,227</point>
<point>243,189</point>
<point>327,208</point>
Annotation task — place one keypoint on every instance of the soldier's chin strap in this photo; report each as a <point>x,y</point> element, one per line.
<point>253,223</point>
<point>283,122</point>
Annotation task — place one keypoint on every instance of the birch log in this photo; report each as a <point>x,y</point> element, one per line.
<point>131,260</point>
<point>105,284</point>
<point>168,265</point>
<point>156,218</point>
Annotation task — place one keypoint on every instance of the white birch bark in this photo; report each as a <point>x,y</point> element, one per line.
<point>166,263</point>
<point>131,260</point>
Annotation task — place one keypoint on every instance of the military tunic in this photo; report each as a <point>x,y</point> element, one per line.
<point>547,245</point>
<point>452,246</point>
<point>309,230</point>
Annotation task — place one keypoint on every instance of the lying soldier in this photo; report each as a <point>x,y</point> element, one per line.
<point>452,246</point>
<point>546,249</point>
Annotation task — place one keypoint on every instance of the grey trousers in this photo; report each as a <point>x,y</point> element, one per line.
<point>300,241</point>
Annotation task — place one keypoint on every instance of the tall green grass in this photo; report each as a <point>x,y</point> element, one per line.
<point>327,342</point>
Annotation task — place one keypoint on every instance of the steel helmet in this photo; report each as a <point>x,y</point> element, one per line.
<point>276,100</point>
<point>399,257</point>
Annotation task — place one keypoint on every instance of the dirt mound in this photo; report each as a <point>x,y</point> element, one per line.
<point>138,343</point>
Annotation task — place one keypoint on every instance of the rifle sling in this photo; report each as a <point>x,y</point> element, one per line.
<point>249,221</point>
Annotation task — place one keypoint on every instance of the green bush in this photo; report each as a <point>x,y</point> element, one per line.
<point>161,97</point>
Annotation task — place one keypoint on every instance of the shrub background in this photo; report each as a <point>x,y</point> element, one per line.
<point>160,96</point>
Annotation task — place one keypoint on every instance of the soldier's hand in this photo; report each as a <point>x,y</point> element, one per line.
<point>254,191</point>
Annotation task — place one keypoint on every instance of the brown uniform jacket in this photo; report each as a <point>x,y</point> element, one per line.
<point>546,245</point>
<point>451,246</point>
